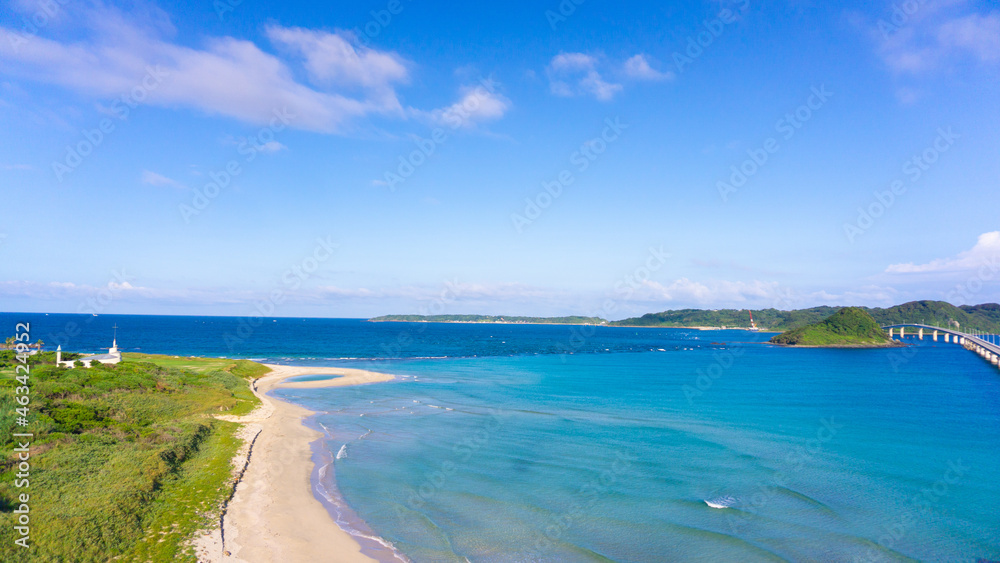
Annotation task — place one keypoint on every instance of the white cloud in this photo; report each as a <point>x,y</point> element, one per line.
<point>977,34</point>
<point>476,105</point>
<point>638,67</point>
<point>331,59</point>
<point>154,179</point>
<point>573,74</point>
<point>118,54</point>
<point>935,36</point>
<point>271,146</point>
<point>684,290</point>
<point>986,253</point>
<point>452,292</point>
<point>81,295</point>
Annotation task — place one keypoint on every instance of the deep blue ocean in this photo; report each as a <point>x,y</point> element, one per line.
<point>556,443</point>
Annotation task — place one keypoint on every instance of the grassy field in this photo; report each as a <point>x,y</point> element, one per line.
<point>127,461</point>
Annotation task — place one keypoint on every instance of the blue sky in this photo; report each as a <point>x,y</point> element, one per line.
<point>379,157</point>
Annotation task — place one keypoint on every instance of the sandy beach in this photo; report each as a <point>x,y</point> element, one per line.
<point>273,515</point>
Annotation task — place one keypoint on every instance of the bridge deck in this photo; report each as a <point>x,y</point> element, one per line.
<point>994,348</point>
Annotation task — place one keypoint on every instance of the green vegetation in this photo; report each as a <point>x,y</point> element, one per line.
<point>985,318</point>
<point>767,319</point>
<point>574,320</point>
<point>850,327</point>
<point>127,462</point>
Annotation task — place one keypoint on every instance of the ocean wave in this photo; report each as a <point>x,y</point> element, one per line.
<point>343,452</point>
<point>721,502</point>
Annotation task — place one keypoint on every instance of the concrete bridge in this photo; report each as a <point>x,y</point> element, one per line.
<point>986,345</point>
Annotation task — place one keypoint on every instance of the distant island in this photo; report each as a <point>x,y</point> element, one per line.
<point>850,327</point>
<point>494,319</point>
<point>985,318</point>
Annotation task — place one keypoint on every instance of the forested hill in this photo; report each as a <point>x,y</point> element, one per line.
<point>850,327</point>
<point>984,317</point>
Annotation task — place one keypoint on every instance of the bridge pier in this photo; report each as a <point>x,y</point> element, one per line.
<point>947,337</point>
<point>902,332</point>
<point>935,336</point>
<point>891,332</point>
<point>994,359</point>
<point>920,334</point>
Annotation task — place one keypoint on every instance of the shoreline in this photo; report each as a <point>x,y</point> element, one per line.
<point>274,515</point>
<point>575,324</point>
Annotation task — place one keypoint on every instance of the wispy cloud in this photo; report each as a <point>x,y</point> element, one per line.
<point>154,179</point>
<point>476,104</point>
<point>271,146</point>
<point>114,52</point>
<point>638,67</point>
<point>330,58</point>
<point>574,74</point>
<point>687,291</point>
<point>936,35</point>
<point>985,253</point>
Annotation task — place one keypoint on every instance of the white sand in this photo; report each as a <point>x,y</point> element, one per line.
<point>274,517</point>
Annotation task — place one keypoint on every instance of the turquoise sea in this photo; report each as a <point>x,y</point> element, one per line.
<point>555,443</point>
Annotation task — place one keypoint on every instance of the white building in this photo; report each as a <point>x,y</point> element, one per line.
<point>112,357</point>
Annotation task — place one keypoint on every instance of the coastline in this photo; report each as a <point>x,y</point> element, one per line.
<point>485,323</point>
<point>273,515</point>
<point>704,328</point>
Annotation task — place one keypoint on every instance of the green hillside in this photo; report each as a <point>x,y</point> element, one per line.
<point>850,327</point>
<point>768,319</point>
<point>126,461</point>
<point>984,317</point>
